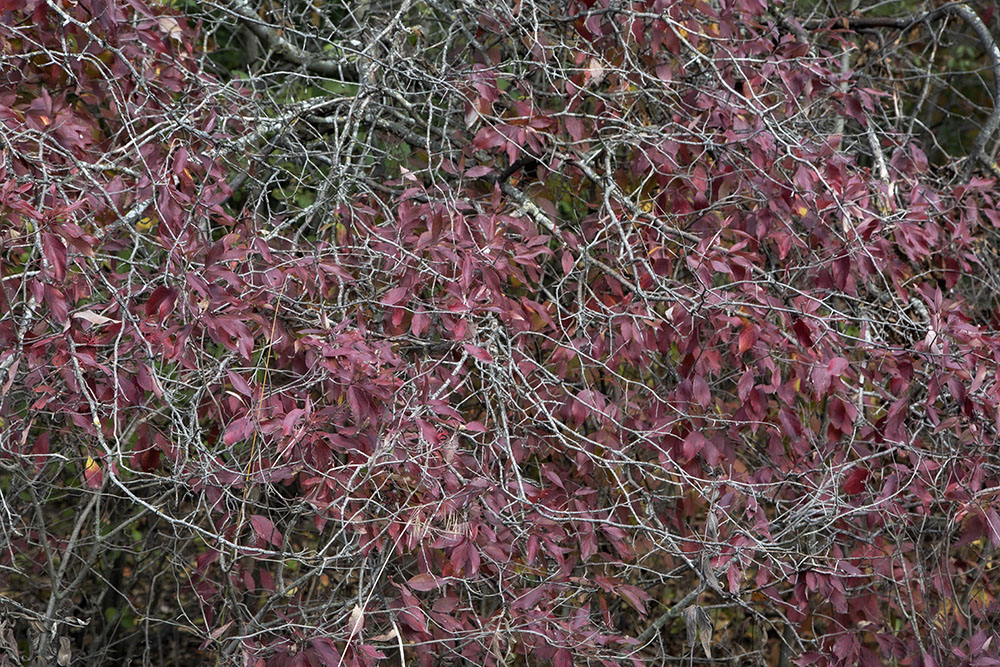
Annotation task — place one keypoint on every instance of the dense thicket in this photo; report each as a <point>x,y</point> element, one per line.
<point>438,332</point>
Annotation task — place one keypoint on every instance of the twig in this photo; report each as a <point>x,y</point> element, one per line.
<point>674,611</point>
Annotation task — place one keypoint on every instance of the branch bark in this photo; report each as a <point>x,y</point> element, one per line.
<point>342,69</point>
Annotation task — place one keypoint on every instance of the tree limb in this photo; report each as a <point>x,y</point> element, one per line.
<point>342,69</point>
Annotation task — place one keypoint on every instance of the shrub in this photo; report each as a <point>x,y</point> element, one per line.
<point>483,333</point>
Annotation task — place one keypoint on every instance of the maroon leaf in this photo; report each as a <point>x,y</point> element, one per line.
<point>423,582</point>
<point>326,651</point>
<point>700,390</point>
<point>802,333</point>
<point>160,302</point>
<point>265,529</point>
<point>239,384</point>
<point>55,299</point>
<point>477,352</point>
<point>693,444</point>
<point>745,385</point>
<point>855,480</point>
<point>394,296</point>
<point>238,430</point>
<point>993,526</point>
<point>635,597</point>
<point>55,254</point>
<point>568,262</point>
<point>477,171</point>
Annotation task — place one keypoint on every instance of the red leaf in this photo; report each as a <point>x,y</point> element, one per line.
<point>423,582</point>
<point>146,459</point>
<point>821,379</point>
<point>218,632</point>
<point>55,253</point>
<point>326,651</point>
<point>693,444</point>
<point>734,576</point>
<point>92,474</point>
<point>803,334</point>
<point>844,646</point>
<point>161,302</point>
<point>428,432</point>
<point>238,430</point>
<point>842,414</point>
<point>40,450</point>
<point>701,392</point>
<point>635,596</point>
<point>265,529</point>
<point>574,127</point>
<point>180,160</point>
<point>804,177</point>
<point>394,296</point>
<point>239,384</point>
<point>56,301</point>
<point>855,481</point>
<point>893,429</point>
<point>413,618</point>
<point>837,366</point>
<point>541,310</point>
<point>289,420</point>
<point>854,110</point>
<point>530,598</point>
<point>993,526</point>
<point>568,262</point>
<point>478,352</point>
<point>418,325</point>
<point>476,172</point>
<point>745,385</point>
<point>748,337</point>
<point>711,453</point>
